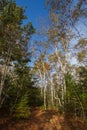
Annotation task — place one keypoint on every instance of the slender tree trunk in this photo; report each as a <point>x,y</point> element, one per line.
<point>63,78</point>
<point>57,98</point>
<point>45,92</point>
<point>45,97</point>
<point>41,87</point>
<point>5,73</point>
<point>52,90</point>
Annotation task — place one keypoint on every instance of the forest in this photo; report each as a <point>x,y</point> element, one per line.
<point>46,76</point>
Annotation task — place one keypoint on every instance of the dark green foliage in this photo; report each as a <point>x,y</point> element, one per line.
<point>70,93</point>
<point>82,86</point>
<point>6,94</point>
<point>21,93</point>
<point>82,75</point>
<point>12,14</point>
<point>73,100</point>
<point>35,98</point>
<point>76,98</point>
<point>22,108</point>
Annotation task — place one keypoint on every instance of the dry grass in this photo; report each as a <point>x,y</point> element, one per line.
<point>43,120</point>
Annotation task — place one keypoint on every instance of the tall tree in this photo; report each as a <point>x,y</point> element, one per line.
<point>14,37</point>
<point>64,15</point>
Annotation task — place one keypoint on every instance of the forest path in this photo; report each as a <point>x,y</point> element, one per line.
<point>43,120</point>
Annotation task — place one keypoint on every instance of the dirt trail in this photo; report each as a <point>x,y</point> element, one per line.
<point>43,120</point>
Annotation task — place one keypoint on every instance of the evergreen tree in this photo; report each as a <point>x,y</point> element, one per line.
<point>14,37</point>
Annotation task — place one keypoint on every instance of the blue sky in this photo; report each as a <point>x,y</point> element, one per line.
<point>34,10</point>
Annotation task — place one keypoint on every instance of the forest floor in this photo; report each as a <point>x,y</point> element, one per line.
<point>42,120</point>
